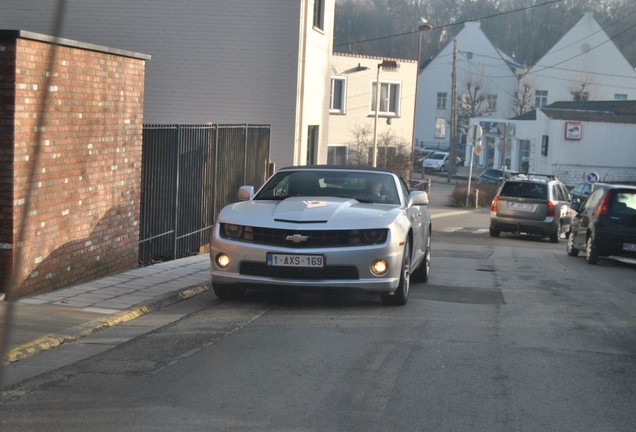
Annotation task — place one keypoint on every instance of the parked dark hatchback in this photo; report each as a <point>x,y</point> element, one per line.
<point>581,191</point>
<point>495,176</point>
<point>605,224</point>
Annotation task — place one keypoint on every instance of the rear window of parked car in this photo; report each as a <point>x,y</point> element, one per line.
<point>524,190</point>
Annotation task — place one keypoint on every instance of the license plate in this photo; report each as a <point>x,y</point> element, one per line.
<point>522,207</point>
<point>629,247</point>
<point>295,260</point>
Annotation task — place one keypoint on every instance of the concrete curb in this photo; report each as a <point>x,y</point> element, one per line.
<point>74,333</point>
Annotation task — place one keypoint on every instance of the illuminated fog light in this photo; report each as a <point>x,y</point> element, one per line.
<point>379,267</point>
<point>222,260</point>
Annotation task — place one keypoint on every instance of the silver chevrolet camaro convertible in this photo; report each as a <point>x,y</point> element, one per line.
<point>322,226</point>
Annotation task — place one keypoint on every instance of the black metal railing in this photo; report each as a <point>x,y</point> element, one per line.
<point>189,172</point>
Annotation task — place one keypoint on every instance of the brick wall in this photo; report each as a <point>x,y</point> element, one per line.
<point>78,123</point>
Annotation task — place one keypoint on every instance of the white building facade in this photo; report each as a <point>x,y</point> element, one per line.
<point>571,140</point>
<point>352,103</point>
<point>239,61</point>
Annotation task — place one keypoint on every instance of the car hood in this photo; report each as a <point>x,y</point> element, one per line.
<point>310,212</point>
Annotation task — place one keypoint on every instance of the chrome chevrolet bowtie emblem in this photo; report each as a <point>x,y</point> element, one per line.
<point>297,238</point>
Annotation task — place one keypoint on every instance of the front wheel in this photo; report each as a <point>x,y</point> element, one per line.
<point>421,273</point>
<point>401,294</point>
<point>227,292</point>
<point>494,232</point>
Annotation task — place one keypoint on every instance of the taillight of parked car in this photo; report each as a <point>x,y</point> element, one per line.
<point>551,208</point>
<point>603,207</point>
<point>493,204</point>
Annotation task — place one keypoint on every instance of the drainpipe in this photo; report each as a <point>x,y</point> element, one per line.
<point>300,101</point>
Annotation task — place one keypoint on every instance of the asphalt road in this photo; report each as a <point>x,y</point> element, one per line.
<point>509,334</point>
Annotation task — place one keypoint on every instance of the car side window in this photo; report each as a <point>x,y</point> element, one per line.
<point>592,201</point>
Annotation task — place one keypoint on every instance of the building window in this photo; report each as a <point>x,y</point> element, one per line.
<point>319,14</point>
<point>440,128</point>
<point>620,96</point>
<point>492,103</point>
<point>441,100</point>
<point>337,95</point>
<point>389,99</point>
<point>540,98</point>
<point>337,154</point>
<point>312,144</point>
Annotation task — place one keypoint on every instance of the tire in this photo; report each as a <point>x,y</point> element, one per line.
<point>572,251</point>
<point>421,273</point>
<point>228,292</point>
<point>554,238</point>
<point>494,232</point>
<point>401,294</point>
<point>590,249</point>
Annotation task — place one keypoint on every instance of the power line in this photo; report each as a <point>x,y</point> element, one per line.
<point>449,25</point>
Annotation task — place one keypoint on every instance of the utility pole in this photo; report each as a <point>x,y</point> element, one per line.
<point>453,128</point>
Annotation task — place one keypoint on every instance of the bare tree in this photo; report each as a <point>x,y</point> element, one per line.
<point>581,90</point>
<point>470,103</point>
<point>394,153</point>
<point>523,97</point>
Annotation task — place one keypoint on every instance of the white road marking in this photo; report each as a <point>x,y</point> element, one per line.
<point>450,213</point>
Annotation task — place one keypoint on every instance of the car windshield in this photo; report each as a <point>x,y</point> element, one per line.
<point>437,156</point>
<point>492,173</point>
<point>524,190</point>
<point>366,187</point>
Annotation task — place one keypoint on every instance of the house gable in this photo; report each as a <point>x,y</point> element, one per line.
<point>584,60</point>
<point>478,61</point>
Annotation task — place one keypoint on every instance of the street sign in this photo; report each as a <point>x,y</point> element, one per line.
<point>592,177</point>
<point>478,149</point>
<point>474,135</point>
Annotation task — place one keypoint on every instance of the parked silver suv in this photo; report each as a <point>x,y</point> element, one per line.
<point>530,204</point>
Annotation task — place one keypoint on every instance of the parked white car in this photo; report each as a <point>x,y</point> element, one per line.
<point>438,161</point>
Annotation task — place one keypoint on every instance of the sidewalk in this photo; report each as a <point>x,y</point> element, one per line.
<point>44,321</point>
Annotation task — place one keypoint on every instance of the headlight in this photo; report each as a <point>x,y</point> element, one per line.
<point>232,231</point>
<point>370,236</point>
<point>374,236</point>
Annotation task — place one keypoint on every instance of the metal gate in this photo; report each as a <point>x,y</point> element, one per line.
<point>189,172</point>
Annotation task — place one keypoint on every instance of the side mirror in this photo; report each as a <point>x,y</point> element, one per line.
<point>246,193</point>
<point>417,198</point>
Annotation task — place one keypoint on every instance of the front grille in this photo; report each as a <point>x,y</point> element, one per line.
<point>278,237</point>
<point>308,238</point>
<point>325,273</point>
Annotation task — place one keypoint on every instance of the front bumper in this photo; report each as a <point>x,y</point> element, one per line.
<point>347,267</point>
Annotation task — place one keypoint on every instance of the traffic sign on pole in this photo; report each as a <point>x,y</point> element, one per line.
<point>474,135</point>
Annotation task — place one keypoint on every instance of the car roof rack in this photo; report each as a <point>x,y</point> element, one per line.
<point>531,176</point>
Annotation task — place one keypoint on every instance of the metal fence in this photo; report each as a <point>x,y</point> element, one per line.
<point>189,172</point>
